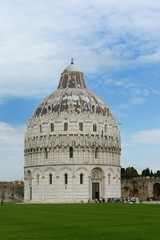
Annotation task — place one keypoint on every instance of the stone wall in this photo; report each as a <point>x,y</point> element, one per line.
<point>12,191</point>
<point>141,187</point>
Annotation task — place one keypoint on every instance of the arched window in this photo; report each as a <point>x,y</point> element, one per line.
<point>93,109</point>
<point>65,178</point>
<point>109,179</point>
<point>94,128</point>
<point>105,127</point>
<point>108,112</point>
<point>37,179</point>
<point>50,178</point>
<point>96,153</point>
<point>45,153</point>
<point>71,152</point>
<point>52,127</point>
<point>81,126</point>
<point>65,126</point>
<point>40,128</point>
<point>81,178</point>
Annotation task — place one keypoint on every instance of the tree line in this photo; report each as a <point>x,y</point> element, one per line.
<point>131,172</point>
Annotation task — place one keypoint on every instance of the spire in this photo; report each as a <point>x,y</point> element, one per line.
<point>72,60</point>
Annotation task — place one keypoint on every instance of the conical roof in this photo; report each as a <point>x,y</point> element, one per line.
<point>71,95</point>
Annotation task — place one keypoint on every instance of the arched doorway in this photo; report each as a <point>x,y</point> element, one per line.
<point>97,183</point>
<point>156,189</point>
<point>135,192</point>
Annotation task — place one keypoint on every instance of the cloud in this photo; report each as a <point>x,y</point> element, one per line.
<point>133,88</point>
<point>137,101</point>
<point>132,102</point>
<point>10,135</point>
<point>148,58</point>
<point>141,149</point>
<point>151,136</point>
<point>37,40</point>
<point>11,151</point>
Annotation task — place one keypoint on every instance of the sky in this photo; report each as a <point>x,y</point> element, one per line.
<point>115,43</point>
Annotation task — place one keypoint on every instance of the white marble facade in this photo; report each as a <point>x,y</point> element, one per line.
<point>72,146</point>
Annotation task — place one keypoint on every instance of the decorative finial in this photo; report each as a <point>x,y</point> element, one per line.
<point>72,60</point>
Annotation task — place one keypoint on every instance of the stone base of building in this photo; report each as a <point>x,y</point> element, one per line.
<point>71,183</point>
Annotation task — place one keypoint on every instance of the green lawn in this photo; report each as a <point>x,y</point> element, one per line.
<point>80,221</point>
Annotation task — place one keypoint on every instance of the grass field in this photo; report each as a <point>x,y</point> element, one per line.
<point>80,221</point>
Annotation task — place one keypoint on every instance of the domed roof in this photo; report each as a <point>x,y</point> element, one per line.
<point>71,95</point>
<point>72,67</point>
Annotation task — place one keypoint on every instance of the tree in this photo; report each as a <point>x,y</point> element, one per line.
<point>151,174</point>
<point>123,171</point>
<point>146,172</point>
<point>129,172</point>
<point>157,174</point>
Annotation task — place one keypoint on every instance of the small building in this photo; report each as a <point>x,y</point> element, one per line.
<point>72,146</point>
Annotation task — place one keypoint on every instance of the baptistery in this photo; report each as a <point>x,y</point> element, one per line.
<point>72,146</point>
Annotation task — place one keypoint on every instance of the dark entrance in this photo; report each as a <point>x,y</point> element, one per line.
<point>95,191</point>
<point>156,189</point>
